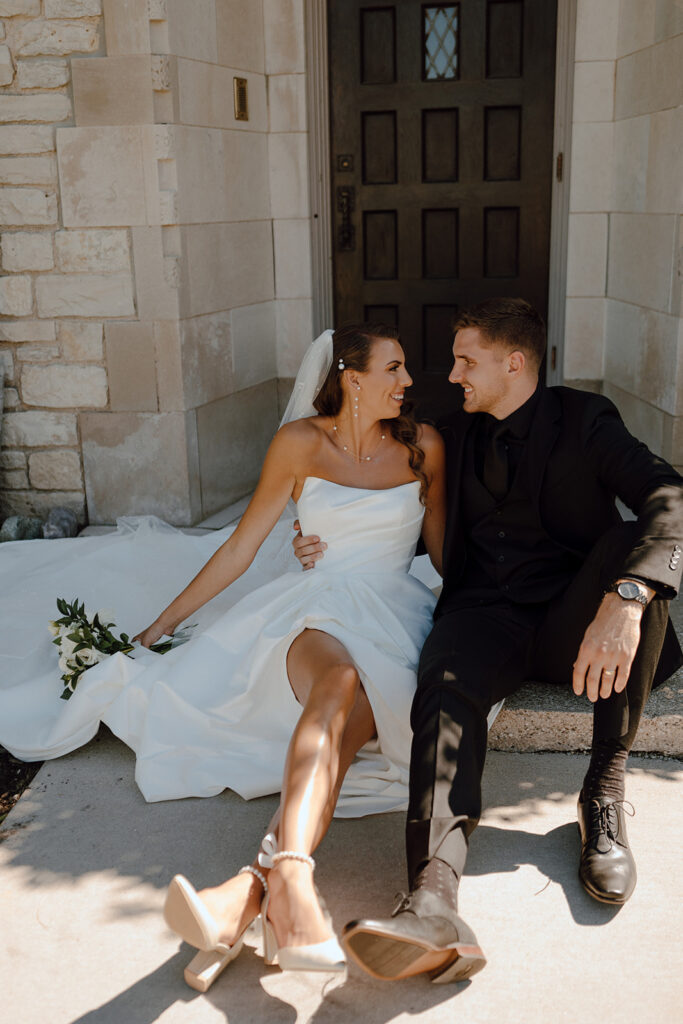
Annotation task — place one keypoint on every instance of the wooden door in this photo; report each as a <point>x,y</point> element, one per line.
<point>442,125</point>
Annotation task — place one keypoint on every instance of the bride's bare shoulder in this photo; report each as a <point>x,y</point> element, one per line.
<point>306,434</point>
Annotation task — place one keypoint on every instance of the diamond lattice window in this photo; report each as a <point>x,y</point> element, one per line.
<point>440,42</point>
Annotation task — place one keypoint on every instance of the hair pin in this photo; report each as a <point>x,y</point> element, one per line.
<point>341,365</point>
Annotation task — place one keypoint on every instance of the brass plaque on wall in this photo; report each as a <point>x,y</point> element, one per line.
<point>241,99</point>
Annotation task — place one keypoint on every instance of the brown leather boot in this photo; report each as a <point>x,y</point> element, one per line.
<point>424,935</point>
<point>607,868</point>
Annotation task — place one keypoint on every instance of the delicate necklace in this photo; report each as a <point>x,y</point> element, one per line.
<point>356,456</point>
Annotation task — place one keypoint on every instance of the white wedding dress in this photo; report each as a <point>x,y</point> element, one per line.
<point>219,711</point>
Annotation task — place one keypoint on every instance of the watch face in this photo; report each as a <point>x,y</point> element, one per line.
<point>629,591</point>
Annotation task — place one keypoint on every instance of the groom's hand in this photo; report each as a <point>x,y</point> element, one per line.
<point>307,549</point>
<point>608,648</point>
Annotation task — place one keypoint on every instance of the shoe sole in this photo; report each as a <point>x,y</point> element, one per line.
<point>389,958</point>
<point>184,916</point>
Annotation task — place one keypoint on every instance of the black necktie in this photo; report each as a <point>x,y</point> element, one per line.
<point>496,465</point>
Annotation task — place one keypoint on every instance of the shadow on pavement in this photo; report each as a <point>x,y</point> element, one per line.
<point>96,820</point>
<point>555,855</point>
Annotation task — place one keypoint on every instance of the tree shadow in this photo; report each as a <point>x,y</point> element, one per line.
<point>238,995</point>
<point>84,816</point>
<point>96,819</point>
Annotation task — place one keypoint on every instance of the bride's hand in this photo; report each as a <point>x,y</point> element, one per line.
<point>150,635</point>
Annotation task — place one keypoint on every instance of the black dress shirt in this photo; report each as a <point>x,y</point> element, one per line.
<point>516,426</point>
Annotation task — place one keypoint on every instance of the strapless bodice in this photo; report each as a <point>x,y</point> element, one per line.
<point>366,531</point>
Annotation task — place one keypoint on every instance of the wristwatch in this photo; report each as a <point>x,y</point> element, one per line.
<point>630,590</point>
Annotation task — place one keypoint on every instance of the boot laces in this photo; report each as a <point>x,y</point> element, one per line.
<point>403,904</point>
<point>606,820</point>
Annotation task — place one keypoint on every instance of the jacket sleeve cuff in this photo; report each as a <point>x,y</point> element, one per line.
<point>661,589</point>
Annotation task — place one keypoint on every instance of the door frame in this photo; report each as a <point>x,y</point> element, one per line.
<point>319,163</point>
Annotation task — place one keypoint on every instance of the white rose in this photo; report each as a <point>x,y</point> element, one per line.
<point>54,628</point>
<point>90,656</point>
<point>64,664</point>
<point>106,616</point>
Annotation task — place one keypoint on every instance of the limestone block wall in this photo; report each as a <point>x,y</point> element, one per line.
<point>160,286</point>
<point>56,285</point>
<point>625,260</point>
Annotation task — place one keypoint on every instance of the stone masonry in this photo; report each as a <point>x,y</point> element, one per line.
<point>155,257</point>
<point>624,314</point>
<point>52,359</point>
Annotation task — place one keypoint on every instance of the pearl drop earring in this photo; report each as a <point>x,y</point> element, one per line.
<point>355,403</point>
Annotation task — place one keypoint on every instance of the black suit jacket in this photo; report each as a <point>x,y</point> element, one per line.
<point>581,458</point>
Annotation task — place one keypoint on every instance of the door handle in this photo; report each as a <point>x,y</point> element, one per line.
<point>346,204</point>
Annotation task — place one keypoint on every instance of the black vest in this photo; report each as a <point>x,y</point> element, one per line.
<point>509,555</point>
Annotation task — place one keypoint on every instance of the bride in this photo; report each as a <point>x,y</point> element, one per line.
<point>305,685</point>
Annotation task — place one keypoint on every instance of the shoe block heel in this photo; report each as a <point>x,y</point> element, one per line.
<point>204,968</point>
<point>270,947</point>
<point>269,940</point>
<point>469,960</point>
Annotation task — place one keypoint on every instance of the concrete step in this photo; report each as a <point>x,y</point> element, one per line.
<point>542,717</point>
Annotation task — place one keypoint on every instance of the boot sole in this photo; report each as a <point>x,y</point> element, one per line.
<point>389,958</point>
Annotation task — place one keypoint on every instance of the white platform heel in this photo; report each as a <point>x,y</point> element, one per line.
<point>188,917</point>
<point>318,956</point>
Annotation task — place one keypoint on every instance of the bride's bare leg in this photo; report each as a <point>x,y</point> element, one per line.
<point>327,684</point>
<point>237,901</point>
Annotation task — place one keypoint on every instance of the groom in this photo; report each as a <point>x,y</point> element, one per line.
<point>542,580</point>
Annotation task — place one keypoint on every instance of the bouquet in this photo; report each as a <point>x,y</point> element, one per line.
<point>84,639</point>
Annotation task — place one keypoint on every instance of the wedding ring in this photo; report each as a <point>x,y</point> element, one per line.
<point>608,671</point>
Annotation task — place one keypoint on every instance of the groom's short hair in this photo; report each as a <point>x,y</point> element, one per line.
<point>510,322</point>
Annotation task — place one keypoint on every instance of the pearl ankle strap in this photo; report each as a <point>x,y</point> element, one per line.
<point>249,868</point>
<point>293,855</point>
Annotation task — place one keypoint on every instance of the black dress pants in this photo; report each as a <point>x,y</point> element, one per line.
<point>477,655</point>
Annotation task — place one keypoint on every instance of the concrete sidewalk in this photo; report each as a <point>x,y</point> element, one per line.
<point>84,863</point>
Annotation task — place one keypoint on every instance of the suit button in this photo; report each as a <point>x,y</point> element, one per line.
<point>501,534</point>
<point>501,558</point>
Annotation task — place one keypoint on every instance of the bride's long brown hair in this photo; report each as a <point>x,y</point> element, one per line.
<point>353,345</point>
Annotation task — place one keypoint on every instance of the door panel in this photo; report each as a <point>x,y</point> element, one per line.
<point>442,123</point>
